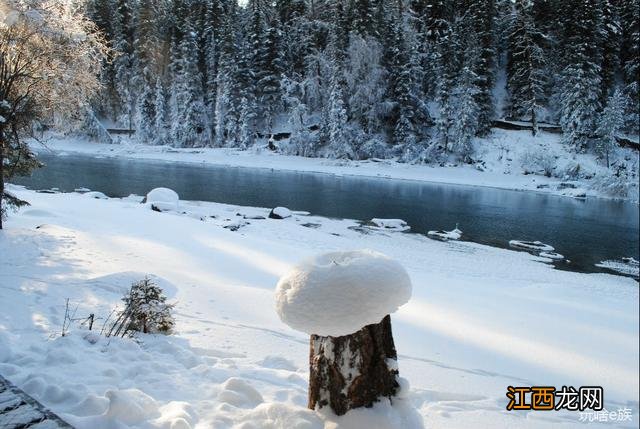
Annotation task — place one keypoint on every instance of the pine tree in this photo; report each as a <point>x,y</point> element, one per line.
<point>402,85</point>
<point>146,45</point>
<point>465,124</point>
<point>581,78</point>
<point>160,123</point>
<point>122,65</point>
<point>611,121</point>
<point>145,128</point>
<point>482,16</point>
<point>526,80</point>
<point>363,18</point>
<point>188,109</point>
<point>227,102</point>
<point>339,141</point>
<point>609,39</point>
<point>630,16</point>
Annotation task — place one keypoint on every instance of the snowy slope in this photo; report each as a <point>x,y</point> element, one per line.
<point>504,160</point>
<point>480,319</point>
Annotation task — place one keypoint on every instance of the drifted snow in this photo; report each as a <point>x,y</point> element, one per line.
<point>339,293</point>
<point>163,198</point>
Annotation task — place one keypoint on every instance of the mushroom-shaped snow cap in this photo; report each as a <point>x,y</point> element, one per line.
<point>338,293</point>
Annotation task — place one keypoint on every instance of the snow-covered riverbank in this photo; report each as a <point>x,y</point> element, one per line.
<point>506,160</point>
<point>480,319</point>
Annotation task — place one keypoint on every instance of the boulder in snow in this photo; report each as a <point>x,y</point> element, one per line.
<point>280,213</point>
<point>389,224</point>
<point>162,199</point>
<point>338,293</point>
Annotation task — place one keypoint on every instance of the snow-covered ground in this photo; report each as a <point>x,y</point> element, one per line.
<point>503,160</point>
<point>480,319</point>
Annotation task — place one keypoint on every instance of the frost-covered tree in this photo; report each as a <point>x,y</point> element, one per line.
<point>611,121</point>
<point>630,16</point>
<point>581,77</point>
<point>526,72</point>
<point>146,114</point>
<point>401,87</point>
<point>481,15</point>
<point>123,62</point>
<point>160,121</point>
<point>188,127</point>
<point>366,83</point>
<point>50,54</point>
<point>465,124</point>
<point>269,79</point>
<point>339,139</point>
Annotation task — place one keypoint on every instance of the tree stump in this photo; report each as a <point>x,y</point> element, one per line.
<point>354,370</point>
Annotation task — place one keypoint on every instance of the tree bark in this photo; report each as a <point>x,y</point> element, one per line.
<point>354,370</point>
<point>1,177</point>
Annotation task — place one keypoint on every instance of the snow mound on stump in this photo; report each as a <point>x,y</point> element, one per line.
<point>339,293</point>
<point>163,199</point>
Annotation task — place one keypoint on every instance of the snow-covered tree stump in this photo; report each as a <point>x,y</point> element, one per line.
<point>354,370</point>
<point>344,301</point>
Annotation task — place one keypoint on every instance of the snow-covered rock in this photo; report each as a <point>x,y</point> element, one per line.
<point>82,190</point>
<point>280,213</point>
<point>338,293</point>
<point>552,255</point>
<point>628,266</point>
<point>531,245</point>
<point>454,234</point>
<point>97,195</point>
<point>390,224</point>
<point>163,199</point>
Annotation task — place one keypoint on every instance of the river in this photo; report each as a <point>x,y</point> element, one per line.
<point>585,231</point>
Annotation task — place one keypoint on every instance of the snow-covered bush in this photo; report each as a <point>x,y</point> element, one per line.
<point>571,171</point>
<point>373,148</point>
<point>146,310</point>
<point>534,162</point>
<point>616,185</point>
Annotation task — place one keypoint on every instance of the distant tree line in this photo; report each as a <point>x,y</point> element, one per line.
<point>359,79</point>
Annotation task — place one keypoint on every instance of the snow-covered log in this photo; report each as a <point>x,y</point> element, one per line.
<point>343,300</point>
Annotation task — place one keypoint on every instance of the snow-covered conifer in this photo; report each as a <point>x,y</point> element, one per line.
<point>610,123</point>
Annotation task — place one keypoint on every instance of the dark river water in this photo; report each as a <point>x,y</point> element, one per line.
<point>586,232</point>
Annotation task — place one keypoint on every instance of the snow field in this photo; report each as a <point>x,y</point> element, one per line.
<point>480,319</point>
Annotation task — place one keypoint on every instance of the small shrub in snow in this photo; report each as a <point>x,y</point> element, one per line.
<point>146,310</point>
<point>538,162</point>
